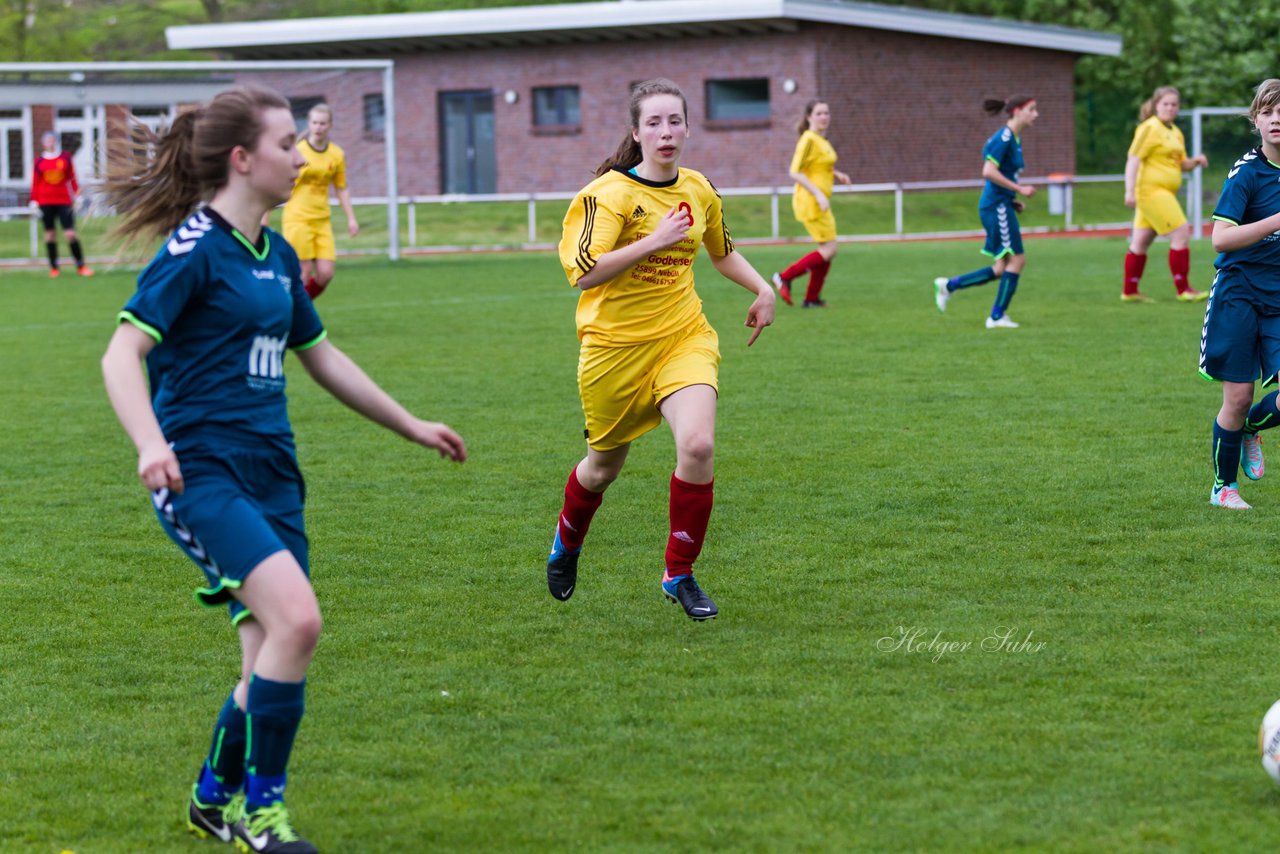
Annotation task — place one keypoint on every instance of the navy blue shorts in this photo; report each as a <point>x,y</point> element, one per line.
<point>1004,237</point>
<point>240,507</point>
<point>1240,340</point>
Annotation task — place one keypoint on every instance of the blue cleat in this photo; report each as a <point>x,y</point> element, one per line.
<point>562,569</point>
<point>696,603</point>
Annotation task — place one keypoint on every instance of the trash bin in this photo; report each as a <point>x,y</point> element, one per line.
<point>1059,192</point>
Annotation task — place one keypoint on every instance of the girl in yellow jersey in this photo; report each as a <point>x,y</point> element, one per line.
<point>648,353</point>
<point>307,224</point>
<point>1152,176</point>
<point>813,168</point>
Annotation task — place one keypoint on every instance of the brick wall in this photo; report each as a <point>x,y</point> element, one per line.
<point>909,108</point>
<point>904,107</point>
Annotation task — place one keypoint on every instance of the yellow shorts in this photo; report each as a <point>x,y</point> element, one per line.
<point>1159,210</point>
<point>621,387</point>
<point>821,228</point>
<point>311,238</point>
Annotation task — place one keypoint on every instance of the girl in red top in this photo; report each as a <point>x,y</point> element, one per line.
<point>54,189</point>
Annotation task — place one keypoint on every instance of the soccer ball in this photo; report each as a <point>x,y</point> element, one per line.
<point>1269,741</point>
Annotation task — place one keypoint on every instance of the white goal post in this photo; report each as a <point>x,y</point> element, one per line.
<point>386,66</point>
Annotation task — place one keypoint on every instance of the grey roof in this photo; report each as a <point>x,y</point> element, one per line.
<point>613,20</point>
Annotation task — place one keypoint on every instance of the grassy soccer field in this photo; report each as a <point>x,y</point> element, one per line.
<point>973,597</point>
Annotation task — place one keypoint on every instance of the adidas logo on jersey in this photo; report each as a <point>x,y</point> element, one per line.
<point>639,213</point>
<point>188,233</point>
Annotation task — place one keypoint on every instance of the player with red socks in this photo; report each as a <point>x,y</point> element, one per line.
<point>813,168</point>
<point>1152,176</point>
<point>307,223</point>
<point>648,353</point>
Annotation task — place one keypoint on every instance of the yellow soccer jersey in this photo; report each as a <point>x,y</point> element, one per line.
<point>310,199</point>
<point>816,159</point>
<point>1161,149</point>
<point>654,298</point>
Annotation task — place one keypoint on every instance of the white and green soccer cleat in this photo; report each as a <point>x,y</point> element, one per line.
<point>1229,497</point>
<point>941,296</point>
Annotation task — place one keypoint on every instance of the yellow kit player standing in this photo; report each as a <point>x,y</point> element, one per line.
<point>813,168</point>
<point>1152,176</point>
<point>307,224</point>
<point>648,353</point>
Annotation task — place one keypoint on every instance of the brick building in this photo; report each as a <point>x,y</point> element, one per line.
<point>533,98</point>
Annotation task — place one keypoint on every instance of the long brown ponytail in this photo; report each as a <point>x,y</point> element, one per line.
<point>155,181</point>
<point>995,106</point>
<point>629,153</point>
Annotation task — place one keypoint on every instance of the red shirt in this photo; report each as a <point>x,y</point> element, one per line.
<point>51,178</point>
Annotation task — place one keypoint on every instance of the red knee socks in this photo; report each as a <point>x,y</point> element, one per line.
<point>804,265</point>
<point>580,504</point>
<point>1179,264</point>
<point>690,513</point>
<point>1133,267</point>
<point>817,278</point>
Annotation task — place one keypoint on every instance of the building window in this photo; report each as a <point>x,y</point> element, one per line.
<point>556,106</point>
<point>736,100</point>
<point>13,142</point>
<point>300,107</point>
<point>375,113</point>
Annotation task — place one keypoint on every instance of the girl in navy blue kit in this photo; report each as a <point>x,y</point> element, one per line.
<point>998,209</point>
<point>1240,342</point>
<point>212,318</point>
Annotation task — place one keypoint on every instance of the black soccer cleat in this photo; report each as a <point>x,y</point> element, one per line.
<point>562,569</point>
<point>213,821</point>
<point>268,831</point>
<point>695,601</point>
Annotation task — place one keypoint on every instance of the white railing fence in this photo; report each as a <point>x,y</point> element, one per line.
<point>1060,203</point>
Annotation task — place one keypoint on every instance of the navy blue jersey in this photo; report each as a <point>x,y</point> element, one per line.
<point>1252,193</point>
<point>222,312</point>
<point>1005,150</point>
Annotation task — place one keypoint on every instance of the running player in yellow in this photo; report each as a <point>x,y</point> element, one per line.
<point>813,168</point>
<point>307,224</point>
<point>1152,176</point>
<point>648,353</point>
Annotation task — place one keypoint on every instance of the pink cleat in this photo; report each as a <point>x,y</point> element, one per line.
<point>1229,497</point>
<point>1251,460</point>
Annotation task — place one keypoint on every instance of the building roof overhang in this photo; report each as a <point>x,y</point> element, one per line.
<point>609,21</point>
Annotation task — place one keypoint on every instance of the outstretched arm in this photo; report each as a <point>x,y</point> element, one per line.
<point>737,269</point>
<point>342,378</point>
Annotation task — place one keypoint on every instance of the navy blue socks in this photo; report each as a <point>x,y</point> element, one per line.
<point>1263,415</point>
<point>968,280</point>
<point>223,772</point>
<point>275,711</point>
<point>1226,455</point>
<point>1004,296</point>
